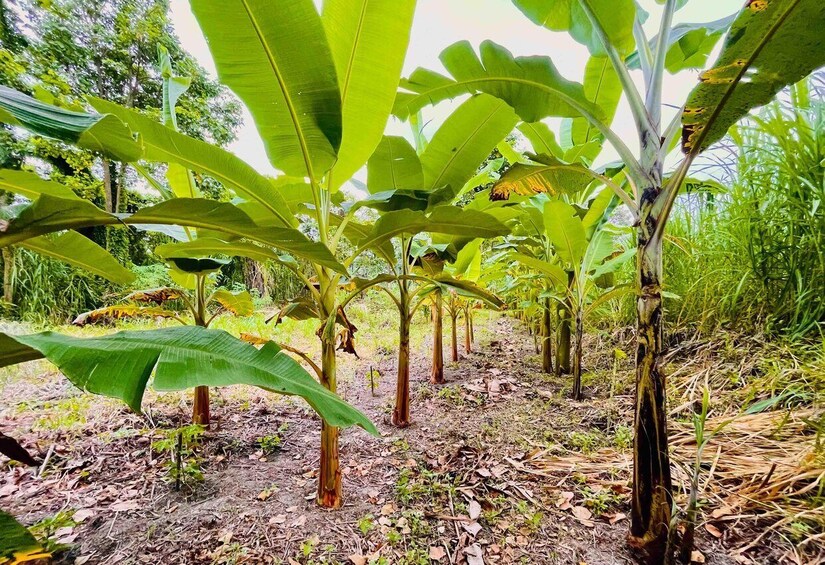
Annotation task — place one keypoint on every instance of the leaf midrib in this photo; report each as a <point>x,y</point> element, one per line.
<point>284,90</point>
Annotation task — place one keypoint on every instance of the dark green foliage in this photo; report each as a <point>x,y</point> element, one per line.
<point>50,291</point>
<point>74,48</point>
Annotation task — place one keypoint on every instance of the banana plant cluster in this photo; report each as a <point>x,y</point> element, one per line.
<point>405,186</point>
<point>574,250</point>
<point>320,88</point>
<point>315,85</point>
<point>768,45</point>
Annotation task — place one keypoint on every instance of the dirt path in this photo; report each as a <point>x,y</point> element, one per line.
<point>450,488</point>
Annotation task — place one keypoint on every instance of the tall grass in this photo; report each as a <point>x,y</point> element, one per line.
<point>47,291</point>
<point>753,256</point>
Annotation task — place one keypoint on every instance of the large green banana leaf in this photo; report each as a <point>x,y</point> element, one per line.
<point>276,58</point>
<point>356,232</point>
<point>17,545</point>
<point>532,86</point>
<point>155,142</point>
<point>541,137</point>
<point>689,44</point>
<point>13,352</point>
<point>603,88</point>
<point>165,145</point>
<point>368,40</point>
<point>616,17</point>
<point>468,289</point>
<point>119,365</point>
<point>394,166</point>
<point>80,251</point>
<point>204,246</point>
<point>769,46</point>
<point>449,220</point>
<point>565,230</point>
<point>468,261</point>
<point>49,214</point>
<point>464,140</point>
<point>390,200</point>
<point>556,275</point>
<point>95,132</point>
<point>31,185</point>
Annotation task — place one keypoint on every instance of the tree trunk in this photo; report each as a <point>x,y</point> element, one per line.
<point>577,359</point>
<point>437,374</point>
<point>563,346</point>
<point>108,196</point>
<point>454,336</point>
<point>546,339</point>
<point>200,407</point>
<point>8,275</point>
<point>329,475</point>
<point>253,276</point>
<point>200,404</point>
<point>118,187</point>
<point>472,332</point>
<point>401,412</point>
<point>468,338</point>
<point>651,500</point>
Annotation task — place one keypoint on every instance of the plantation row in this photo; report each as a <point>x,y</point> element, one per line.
<point>543,231</point>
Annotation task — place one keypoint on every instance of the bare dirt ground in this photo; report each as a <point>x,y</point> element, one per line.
<point>462,485</point>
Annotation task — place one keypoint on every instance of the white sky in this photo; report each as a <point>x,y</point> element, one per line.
<point>439,23</point>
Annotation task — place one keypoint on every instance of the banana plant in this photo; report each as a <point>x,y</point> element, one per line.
<point>406,188</point>
<point>196,277</point>
<point>319,88</point>
<point>577,256</point>
<point>466,267</point>
<point>767,46</point>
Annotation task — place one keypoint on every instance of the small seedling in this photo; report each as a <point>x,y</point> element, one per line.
<point>183,466</point>
<point>373,377</point>
<point>309,545</point>
<point>273,443</point>
<point>366,524</point>
<point>45,530</point>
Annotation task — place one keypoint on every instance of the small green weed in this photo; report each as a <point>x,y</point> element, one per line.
<point>274,442</point>
<point>184,465</point>
<point>46,528</point>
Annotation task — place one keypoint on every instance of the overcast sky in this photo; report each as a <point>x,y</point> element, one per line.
<point>439,23</point>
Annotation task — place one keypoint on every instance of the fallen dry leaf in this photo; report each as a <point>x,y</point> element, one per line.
<point>583,515</point>
<point>613,518</point>
<point>124,506</point>
<point>82,515</point>
<point>472,528</point>
<point>564,499</point>
<point>437,553</point>
<point>474,510</point>
<point>696,557</point>
<point>300,521</point>
<point>713,530</point>
<point>358,559</point>
<point>721,511</point>
<point>474,554</point>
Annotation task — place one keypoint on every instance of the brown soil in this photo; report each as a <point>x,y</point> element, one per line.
<point>451,486</point>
